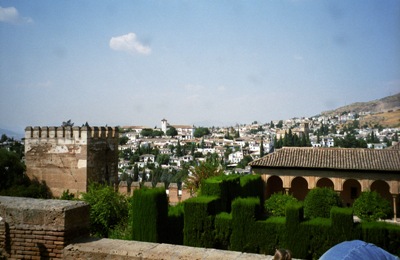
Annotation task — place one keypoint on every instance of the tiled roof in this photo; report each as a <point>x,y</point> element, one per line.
<point>332,158</point>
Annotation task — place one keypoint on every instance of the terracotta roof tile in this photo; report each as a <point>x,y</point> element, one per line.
<point>332,158</point>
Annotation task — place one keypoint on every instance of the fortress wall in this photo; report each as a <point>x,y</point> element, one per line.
<point>40,229</point>
<point>70,157</point>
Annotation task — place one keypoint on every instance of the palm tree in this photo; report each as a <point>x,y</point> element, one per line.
<point>201,172</point>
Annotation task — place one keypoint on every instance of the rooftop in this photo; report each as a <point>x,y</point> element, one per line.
<point>332,158</point>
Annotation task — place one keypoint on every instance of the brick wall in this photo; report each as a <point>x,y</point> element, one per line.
<point>40,229</point>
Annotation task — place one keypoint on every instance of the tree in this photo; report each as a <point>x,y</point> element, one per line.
<point>123,140</point>
<point>279,124</point>
<point>276,204</point>
<point>107,208</point>
<point>201,131</point>
<point>172,132</point>
<point>262,148</point>
<point>272,125</point>
<point>370,206</point>
<point>245,161</point>
<point>11,169</point>
<point>319,201</point>
<point>146,132</point>
<point>179,152</point>
<point>201,172</point>
<point>67,123</point>
<point>135,173</point>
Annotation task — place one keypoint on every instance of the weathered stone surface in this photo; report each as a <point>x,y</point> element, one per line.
<point>68,158</point>
<point>40,228</point>
<point>89,248</point>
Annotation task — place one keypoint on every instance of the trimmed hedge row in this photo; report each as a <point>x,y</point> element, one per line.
<point>199,214</point>
<point>205,222</point>
<point>149,209</point>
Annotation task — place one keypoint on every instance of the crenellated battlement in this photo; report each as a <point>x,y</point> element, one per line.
<point>68,132</point>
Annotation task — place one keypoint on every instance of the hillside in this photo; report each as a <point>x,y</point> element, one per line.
<point>376,106</point>
<point>384,112</point>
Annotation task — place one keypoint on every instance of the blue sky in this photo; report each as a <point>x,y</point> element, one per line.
<point>192,62</point>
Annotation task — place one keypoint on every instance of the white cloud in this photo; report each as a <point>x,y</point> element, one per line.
<point>129,43</point>
<point>11,15</point>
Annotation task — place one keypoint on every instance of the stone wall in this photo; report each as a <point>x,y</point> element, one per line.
<point>40,229</point>
<point>174,194</point>
<point>133,250</point>
<point>70,157</point>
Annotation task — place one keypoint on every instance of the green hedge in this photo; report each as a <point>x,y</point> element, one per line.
<point>245,211</point>
<point>149,209</point>
<point>223,230</point>
<point>242,229</point>
<point>175,224</point>
<point>226,187</point>
<point>199,214</point>
<point>252,185</point>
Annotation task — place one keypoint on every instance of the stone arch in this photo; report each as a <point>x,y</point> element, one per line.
<point>299,188</point>
<point>351,191</point>
<point>274,185</point>
<point>382,188</point>
<point>325,183</point>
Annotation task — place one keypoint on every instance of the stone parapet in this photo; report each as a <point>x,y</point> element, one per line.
<point>90,248</point>
<point>68,132</point>
<point>37,229</point>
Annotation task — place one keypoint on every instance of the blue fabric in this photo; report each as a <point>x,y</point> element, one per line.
<point>357,249</point>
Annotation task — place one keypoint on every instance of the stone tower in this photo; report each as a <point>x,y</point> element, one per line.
<point>71,157</point>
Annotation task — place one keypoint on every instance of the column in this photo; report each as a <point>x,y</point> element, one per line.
<point>395,207</point>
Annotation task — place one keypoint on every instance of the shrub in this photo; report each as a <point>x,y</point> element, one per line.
<point>149,213</point>
<point>66,195</point>
<point>276,204</point>
<point>245,212</point>
<point>174,232</point>
<point>107,208</point>
<point>226,187</point>
<point>199,214</point>
<point>223,230</point>
<point>370,206</point>
<point>319,201</point>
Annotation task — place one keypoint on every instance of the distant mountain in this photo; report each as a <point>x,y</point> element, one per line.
<point>376,106</point>
<point>10,133</point>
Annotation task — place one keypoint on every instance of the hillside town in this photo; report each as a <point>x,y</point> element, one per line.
<point>172,147</point>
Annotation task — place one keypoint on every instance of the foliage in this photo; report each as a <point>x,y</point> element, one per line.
<point>201,172</point>
<point>66,195</point>
<point>245,211</point>
<point>149,213</point>
<point>251,185</point>
<point>201,131</point>
<point>13,180</point>
<point>174,227</point>
<point>67,123</point>
<point>148,132</point>
<point>226,187</point>
<point>199,214</point>
<point>123,140</point>
<point>245,161</point>
<point>276,204</point>
<point>172,131</point>
<point>11,169</point>
<point>370,206</point>
<point>350,141</point>
<point>319,201</point>
<point>223,230</point>
<point>107,208</point>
